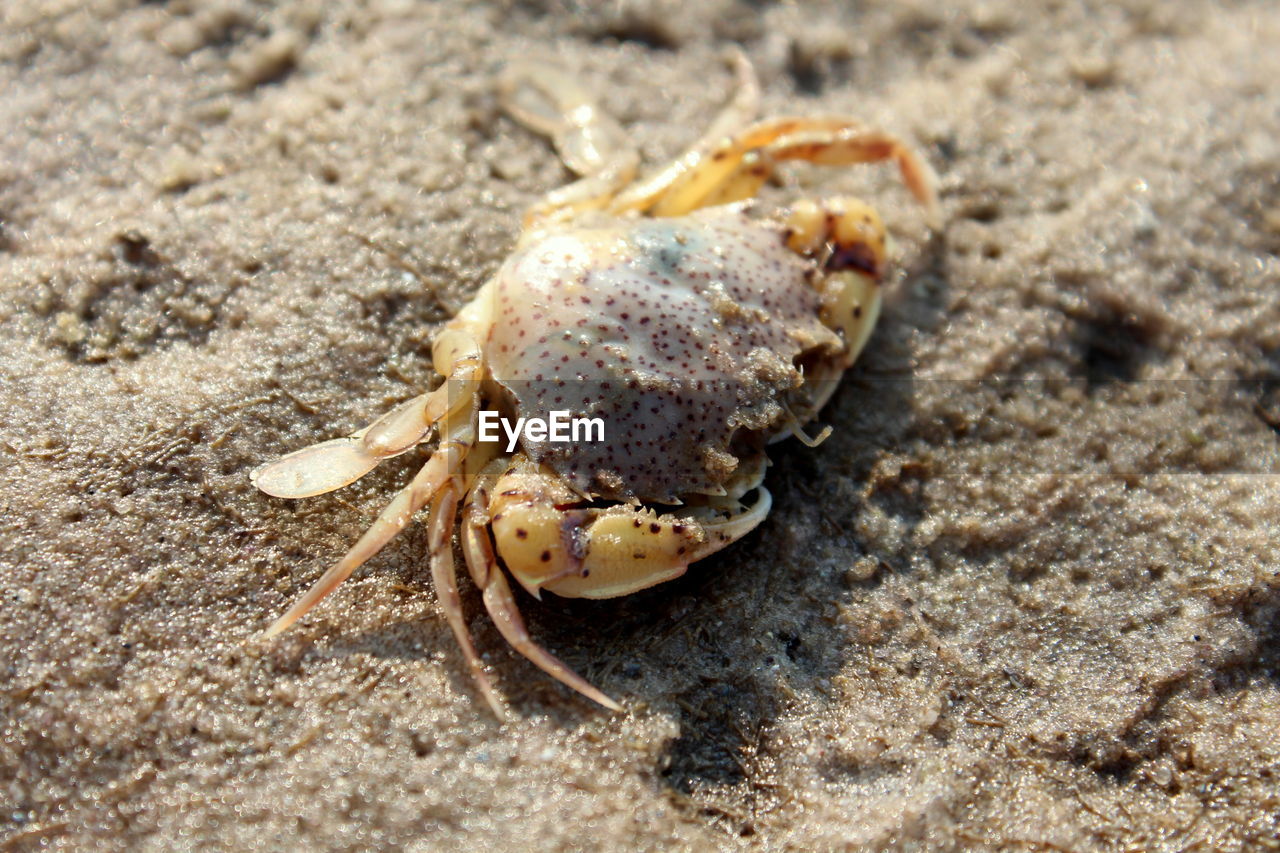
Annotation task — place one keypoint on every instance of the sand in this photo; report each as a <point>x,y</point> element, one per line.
<point>1025,597</point>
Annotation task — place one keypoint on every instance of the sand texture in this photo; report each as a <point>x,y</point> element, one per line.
<point>1025,597</point>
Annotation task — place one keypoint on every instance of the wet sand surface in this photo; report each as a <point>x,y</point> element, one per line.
<point>1025,597</point>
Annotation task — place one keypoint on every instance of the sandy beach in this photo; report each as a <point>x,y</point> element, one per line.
<point>1025,597</point>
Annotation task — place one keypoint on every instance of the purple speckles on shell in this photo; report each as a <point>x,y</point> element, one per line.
<point>682,334</point>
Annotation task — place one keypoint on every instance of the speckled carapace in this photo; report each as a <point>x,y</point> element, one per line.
<point>682,334</point>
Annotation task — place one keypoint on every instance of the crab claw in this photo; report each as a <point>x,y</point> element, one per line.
<point>549,543</point>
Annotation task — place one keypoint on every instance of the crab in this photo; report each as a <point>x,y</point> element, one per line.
<point>698,328</point>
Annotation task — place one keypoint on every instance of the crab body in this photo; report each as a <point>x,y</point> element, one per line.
<point>695,329</point>
<point>682,334</point>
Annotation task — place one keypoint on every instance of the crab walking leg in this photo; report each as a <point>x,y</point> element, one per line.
<point>818,142</point>
<point>858,145</point>
<point>551,102</point>
<point>444,463</point>
<point>728,125</point>
<point>738,112</point>
<point>738,167</point>
<point>444,573</point>
<point>498,600</point>
<point>688,178</point>
<point>589,141</point>
<point>330,465</point>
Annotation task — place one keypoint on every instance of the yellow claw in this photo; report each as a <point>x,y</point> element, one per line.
<point>549,543</point>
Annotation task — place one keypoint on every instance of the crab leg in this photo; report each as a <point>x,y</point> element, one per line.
<point>848,145</point>
<point>459,435</point>
<point>444,573</point>
<point>737,167</point>
<point>591,143</point>
<point>689,178</point>
<point>737,113</point>
<point>339,462</point>
<point>498,600</point>
<point>588,140</point>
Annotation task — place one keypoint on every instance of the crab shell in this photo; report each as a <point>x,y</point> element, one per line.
<point>697,340</point>
<point>683,335</point>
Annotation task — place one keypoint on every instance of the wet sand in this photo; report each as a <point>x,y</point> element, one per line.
<point>1025,597</point>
